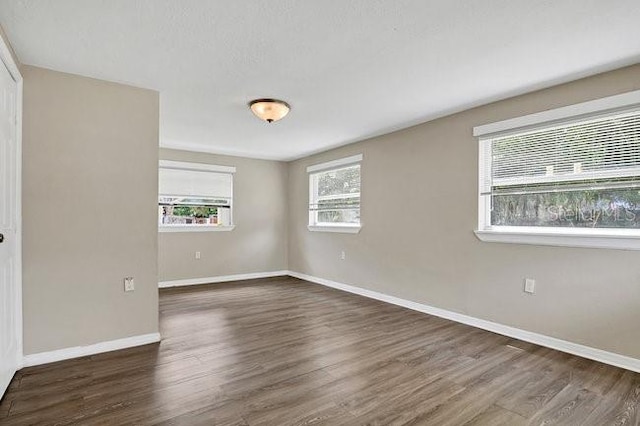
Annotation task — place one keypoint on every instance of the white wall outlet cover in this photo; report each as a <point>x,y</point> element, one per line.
<point>197,255</point>
<point>129,284</point>
<point>343,255</point>
<point>529,286</point>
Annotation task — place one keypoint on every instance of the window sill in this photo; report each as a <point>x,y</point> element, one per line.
<point>181,228</point>
<point>595,238</point>
<point>345,229</point>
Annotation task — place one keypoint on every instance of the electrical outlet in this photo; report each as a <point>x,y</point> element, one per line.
<point>198,255</point>
<point>529,285</point>
<point>343,255</point>
<point>129,284</point>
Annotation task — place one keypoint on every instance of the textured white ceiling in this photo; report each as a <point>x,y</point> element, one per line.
<point>349,68</point>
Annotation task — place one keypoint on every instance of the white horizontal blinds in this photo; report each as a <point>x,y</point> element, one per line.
<point>195,184</point>
<point>335,191</point>
<point>600,152</point>
<point>485,166</point>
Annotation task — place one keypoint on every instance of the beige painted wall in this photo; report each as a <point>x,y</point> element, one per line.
<point>419,210</point>
<point>90,155</point>
<point>257,244</point>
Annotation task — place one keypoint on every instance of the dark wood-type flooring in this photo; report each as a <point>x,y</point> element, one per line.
<point>282,351</point>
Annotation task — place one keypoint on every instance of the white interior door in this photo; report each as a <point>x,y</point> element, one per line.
<point>9,244</point>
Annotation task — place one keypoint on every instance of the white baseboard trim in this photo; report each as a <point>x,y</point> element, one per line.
<point>221,279</point>
<point>599,355</point>
<point>79,351</point>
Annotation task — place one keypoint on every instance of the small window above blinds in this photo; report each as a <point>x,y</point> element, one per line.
<point>574,170</point>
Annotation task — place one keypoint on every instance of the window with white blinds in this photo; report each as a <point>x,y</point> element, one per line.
<point>334,193</point>
<point>579,173</point>
<point>194,195</point>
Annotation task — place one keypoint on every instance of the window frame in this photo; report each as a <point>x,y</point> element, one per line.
<point>199,167</point>
<point>611,238</point>
<point>338,227</point>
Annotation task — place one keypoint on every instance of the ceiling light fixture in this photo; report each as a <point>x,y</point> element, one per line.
<point>269,110</point>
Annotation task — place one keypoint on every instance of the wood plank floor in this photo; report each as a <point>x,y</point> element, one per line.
<point>282,352</point>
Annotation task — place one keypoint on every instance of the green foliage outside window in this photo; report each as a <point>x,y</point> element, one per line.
<point>194,211</point>
<point>605,208</point>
